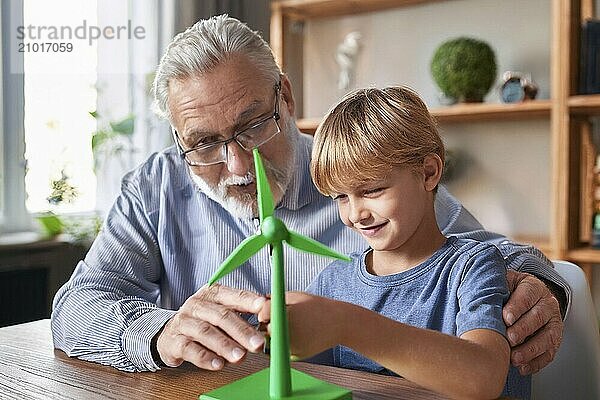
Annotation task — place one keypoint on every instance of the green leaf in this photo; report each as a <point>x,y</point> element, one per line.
<point>51,224</point>
<point>100,137</point>
<point>94,114</point>
<point>125,126</point>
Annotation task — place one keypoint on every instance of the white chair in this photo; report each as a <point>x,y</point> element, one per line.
<point>575,371</point>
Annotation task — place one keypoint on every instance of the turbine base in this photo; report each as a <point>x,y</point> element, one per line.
<point>256,387</point>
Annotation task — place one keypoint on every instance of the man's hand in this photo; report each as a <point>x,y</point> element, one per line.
<point>535,327</point>
<point>207,330</point>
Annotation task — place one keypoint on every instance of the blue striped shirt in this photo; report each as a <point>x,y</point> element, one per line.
<point>163,239</point>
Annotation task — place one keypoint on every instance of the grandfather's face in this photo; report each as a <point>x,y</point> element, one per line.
<point>216,105</point>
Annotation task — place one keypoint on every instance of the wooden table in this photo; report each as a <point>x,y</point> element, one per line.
<point>30,368</point>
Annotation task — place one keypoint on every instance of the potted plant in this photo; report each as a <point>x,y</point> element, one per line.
<point>464,69</point>
<point>113,140</point>
<point>61,192</point>
<point>76,228</point>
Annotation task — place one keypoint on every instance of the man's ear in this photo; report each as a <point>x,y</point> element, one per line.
<point>432,171</point>
<point>287,94</point>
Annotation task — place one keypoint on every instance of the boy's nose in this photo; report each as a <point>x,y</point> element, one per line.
<point>358,212</point>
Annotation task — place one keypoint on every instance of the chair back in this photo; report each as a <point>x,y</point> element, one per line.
<point>575,371</point>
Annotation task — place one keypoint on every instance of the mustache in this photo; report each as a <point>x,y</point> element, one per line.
<point>275,175</point>
<point>234,180</point>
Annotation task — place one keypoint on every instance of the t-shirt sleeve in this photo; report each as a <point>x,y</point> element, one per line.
<point>482,292</point>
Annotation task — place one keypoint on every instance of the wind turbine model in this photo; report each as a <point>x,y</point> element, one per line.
<point>276,381</point>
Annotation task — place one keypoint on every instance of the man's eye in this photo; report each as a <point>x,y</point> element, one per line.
<point>207,140</point>
<point>254,130</point>
<point>340,197</point>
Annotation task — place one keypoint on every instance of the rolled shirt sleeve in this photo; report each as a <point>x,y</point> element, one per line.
<point>107,312</point>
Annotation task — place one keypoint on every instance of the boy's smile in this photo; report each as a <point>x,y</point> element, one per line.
<point>371,231</point>
<point>396,217</point>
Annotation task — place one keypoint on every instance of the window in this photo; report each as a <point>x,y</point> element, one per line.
<point>58,99</point>
<point>48,96</point>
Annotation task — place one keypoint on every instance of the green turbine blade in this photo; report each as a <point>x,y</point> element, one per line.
<point>265,197</point>
<point>309,245</point>
<point>241,254</point>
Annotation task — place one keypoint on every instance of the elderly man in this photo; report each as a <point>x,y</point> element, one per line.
<point>138,300</point>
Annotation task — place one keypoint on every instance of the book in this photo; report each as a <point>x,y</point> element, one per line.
<point>589,78</point>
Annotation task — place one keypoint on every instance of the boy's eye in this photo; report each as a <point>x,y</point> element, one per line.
<point>373,191</point>
<point>340,197</point>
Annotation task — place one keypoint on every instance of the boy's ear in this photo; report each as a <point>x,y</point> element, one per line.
<point>432,171</point>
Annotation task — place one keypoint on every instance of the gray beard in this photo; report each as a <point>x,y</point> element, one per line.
<point>238,209</point>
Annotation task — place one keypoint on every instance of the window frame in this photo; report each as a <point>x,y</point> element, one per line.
<point>14,216</point>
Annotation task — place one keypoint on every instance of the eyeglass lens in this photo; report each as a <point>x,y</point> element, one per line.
<point>247,139</point>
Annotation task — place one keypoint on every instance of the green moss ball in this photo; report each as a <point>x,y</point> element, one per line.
<point>464,68</point>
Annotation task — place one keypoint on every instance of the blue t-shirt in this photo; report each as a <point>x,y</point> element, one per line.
<point>461,287</point>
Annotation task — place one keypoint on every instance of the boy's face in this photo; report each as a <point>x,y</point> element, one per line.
<point>393,214</point>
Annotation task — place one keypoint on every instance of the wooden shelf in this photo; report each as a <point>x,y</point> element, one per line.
<point>584,104</point>
<point>471,112</point>
<point>477,112</point>
<point>304,9</point>
<point>584,255</point>
<point>308,125</point>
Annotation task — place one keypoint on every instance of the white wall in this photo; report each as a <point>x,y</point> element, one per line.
<point>507,183</point>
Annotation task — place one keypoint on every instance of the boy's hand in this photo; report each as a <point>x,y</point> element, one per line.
<point>316,323</point>
<point>535,327</point>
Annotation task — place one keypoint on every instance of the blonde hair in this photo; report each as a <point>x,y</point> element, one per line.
<point>368,134</point>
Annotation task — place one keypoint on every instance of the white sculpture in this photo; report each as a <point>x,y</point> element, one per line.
<point>345,56</point>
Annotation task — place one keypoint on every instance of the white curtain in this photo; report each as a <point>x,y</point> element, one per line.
<point>125,73</point>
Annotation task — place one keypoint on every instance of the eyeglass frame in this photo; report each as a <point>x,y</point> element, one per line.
<point>275,116</point>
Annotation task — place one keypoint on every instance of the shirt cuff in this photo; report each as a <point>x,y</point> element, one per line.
<point>138,336</point>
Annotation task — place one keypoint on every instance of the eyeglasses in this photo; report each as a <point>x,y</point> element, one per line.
<point>215,152</point>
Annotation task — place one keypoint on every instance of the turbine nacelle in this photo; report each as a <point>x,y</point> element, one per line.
<point>274,230</point>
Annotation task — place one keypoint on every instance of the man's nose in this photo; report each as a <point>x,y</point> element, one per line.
<point>239,161</point>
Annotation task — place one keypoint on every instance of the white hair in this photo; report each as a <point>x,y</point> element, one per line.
<point>204,46</point>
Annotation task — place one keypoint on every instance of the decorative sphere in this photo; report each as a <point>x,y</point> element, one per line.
<point>464,68</point>
<point>274,230</point>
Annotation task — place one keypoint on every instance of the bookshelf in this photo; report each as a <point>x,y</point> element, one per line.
<point>567,112</point>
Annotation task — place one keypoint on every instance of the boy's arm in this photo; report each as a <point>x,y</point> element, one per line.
<point>473,366</point>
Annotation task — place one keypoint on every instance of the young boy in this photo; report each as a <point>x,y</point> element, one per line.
<point>415,303</point>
